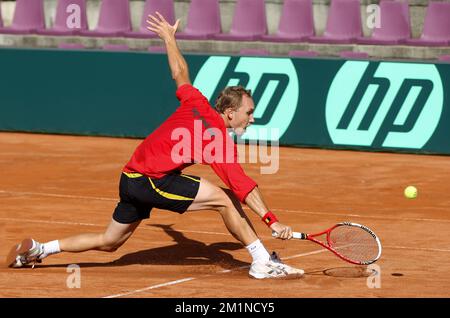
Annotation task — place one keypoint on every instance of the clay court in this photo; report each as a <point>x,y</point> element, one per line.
<point>54,186</point>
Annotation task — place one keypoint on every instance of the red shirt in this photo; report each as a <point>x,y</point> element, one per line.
<point>194,133</point>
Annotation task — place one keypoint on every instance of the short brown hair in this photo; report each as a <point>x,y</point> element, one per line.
<point>231,97</point>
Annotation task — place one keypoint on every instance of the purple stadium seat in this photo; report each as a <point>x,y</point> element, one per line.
<point>116,47</point>
<point>1,20</point>
<point>64,11</point>
<point>395,25</point>
<point>165,7</point>
<point>444,58</point>
<point>114,19</point>
<point>203,20</point>
<point>436,29</point>
<point>301,53</point>
<point>353,55</point>
<point>28,17</point>
<point>255,52</point>
<point>157,49</point>
<point>71,46</point>
<point>296,22</point>
<point>343,23</point>
<point>249,22</point>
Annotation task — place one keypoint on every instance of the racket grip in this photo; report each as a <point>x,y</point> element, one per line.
<point>296,235</point>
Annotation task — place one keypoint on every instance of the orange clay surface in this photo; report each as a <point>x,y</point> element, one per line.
<point>56,186</point>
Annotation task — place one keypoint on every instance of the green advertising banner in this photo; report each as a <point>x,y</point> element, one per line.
<point>330,103</point>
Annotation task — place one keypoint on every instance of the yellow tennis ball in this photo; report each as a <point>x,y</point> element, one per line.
<point>411,192</point>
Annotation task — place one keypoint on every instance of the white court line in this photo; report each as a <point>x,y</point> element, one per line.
<point>68,196</point>
<point>202,232</point>
<point>242,267</point>
<point>48,222</point>
<point>151,287</point>
<point>204,276</point>
<point>104,225</point>
<point>362,216</point>
<point>426,249</point>
<point>55,195</point>
<point>197,232</point>
<point>39,154</point>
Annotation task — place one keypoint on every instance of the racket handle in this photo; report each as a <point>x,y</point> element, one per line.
<point>296,235</point>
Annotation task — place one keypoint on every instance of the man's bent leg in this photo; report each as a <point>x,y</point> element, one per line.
<point>115,235</point>
<point>30,251</point>
<point>211,197</point>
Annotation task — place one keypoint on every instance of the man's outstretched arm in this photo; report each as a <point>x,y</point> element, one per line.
<point>255,202</point>
<point>177,63</point>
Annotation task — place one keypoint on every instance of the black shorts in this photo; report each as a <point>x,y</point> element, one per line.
<point>139,194</point>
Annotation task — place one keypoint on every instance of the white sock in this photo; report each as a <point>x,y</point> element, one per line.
<point>50,248</point>
<point>258,251</point>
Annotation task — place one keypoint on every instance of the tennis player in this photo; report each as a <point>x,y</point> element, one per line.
<point>154,179</point>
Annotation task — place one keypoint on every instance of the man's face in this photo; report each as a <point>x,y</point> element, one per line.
<point>243,116</point>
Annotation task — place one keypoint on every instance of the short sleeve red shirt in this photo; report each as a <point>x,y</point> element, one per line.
<point>194,133</point>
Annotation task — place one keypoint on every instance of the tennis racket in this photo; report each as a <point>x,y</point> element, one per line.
<point>352,242</point>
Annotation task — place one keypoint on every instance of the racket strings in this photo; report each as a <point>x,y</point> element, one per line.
<point>354,243</point>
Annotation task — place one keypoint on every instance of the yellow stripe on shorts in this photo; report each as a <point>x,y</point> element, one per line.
<point>196,180</point>
<point>167,195</point>
<point>132,175</point>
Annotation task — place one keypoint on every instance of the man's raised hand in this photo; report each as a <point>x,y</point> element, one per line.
<point>160,26</point>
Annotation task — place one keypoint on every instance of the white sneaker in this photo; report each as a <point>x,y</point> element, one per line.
<point>274,268</point>
<point>25,253</point>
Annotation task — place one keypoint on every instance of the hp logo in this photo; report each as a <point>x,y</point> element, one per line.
<point>274,85</point>
<point>384,104</point>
